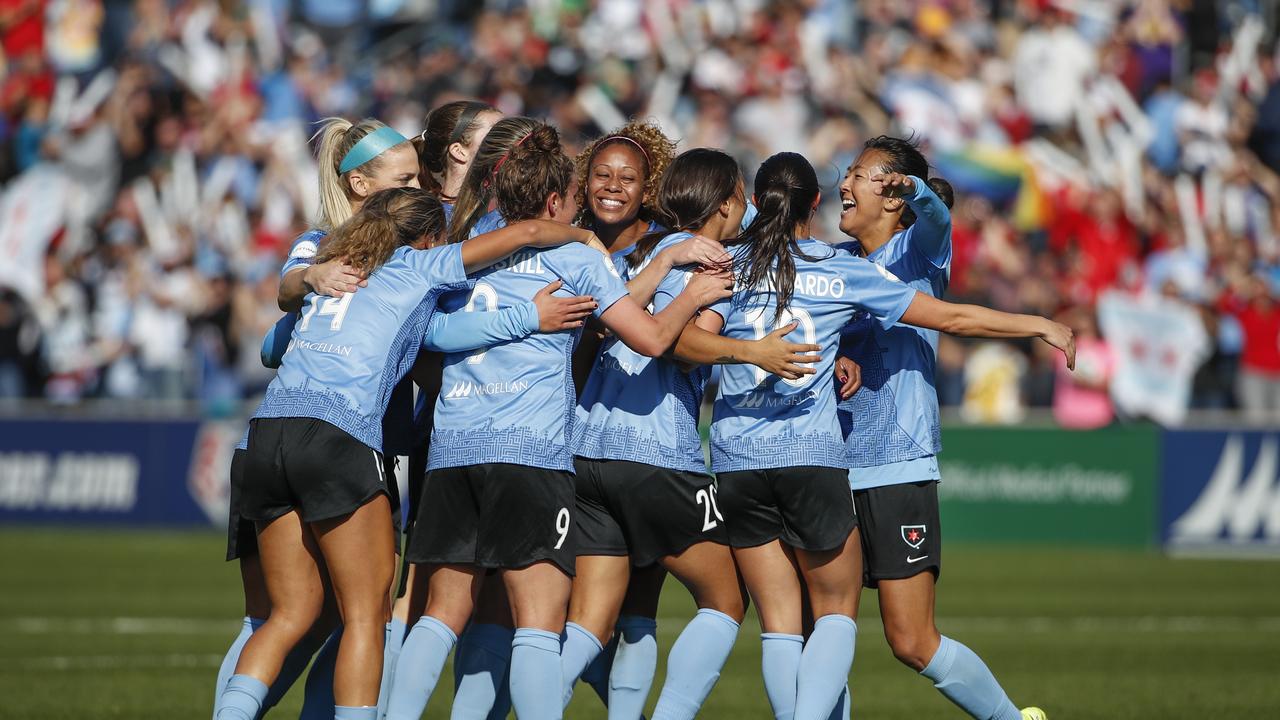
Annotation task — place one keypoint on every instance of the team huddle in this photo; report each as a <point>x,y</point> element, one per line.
<point>535,334</point>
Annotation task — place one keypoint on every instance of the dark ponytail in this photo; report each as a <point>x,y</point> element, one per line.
<point>691,192</point>
<point>786,187</point>
<point>904,156</point>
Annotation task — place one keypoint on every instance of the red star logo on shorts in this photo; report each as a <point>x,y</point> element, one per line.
<point>913,536</point>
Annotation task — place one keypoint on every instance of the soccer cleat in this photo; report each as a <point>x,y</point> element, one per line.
<point>1034,713</point>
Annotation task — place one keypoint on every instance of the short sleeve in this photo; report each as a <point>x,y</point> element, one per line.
<point>875,289</point>
<point>671,285</point>
<point>303,251</point>
<point>438,266</point>
<point>594,274</point>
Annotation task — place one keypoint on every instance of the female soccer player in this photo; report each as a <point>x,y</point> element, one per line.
<point>776,444</point>
<point>304,485</point>
<point>500,486</point>
<point>643,493</point>
<point>449,143</point>
<point>347,176</point>
<point>899,222</point>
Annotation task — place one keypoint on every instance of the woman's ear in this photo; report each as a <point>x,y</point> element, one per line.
<point>459,153</point>
<point>359,184</point>
<point>816,202</point>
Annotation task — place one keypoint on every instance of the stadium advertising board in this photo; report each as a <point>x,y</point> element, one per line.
<point>1221,491</point>
<point>1051,486</point>
<point>116,472</point>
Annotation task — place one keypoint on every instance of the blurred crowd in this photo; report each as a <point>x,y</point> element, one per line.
<point>155,164</point>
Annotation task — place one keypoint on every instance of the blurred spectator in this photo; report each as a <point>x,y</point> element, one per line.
<point>1082,399</point>
<point>1259,380</point>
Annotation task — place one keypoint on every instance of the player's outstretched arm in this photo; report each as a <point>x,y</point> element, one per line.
<point>653,335</point>
<point>484,250</point>
<point>977,321</point>
<point>701,344</point>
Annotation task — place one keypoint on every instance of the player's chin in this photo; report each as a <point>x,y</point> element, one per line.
<point>849,222</point>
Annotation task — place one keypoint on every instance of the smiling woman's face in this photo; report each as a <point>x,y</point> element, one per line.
<point>860,205</point>
<point>615,184</point>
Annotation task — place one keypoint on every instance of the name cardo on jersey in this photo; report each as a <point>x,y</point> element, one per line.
<point>812,285</point>
<point>468,389</point>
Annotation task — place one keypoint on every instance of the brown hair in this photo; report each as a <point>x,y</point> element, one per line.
<point>535,167</point>
<point>691,192</point>
<point>644,135</point>
<point>387,220</point>
<point>337,137</point>
<point>454,122</point>
<point>477,187</point>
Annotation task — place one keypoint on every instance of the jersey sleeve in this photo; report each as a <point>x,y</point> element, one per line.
<point>672,285</point>
<point>594,274</point>
<point>439,266</point>
<point>303,251</point>
<point>466,331</point>
<point>276,341</point>
<point>875,290</point>
<point>930,234</point>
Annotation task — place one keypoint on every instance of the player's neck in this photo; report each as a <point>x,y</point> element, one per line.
<point>621,236</point>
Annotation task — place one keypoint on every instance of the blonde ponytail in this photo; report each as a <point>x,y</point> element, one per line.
<point>337,137</point>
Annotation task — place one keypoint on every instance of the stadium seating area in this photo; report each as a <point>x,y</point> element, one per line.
<point>155,162</point>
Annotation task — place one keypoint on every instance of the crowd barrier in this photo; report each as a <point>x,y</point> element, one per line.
<point>1189,491</point>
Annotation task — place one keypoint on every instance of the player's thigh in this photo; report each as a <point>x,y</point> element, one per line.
<point>833,577</point>
<point>708,571</point>
<point>539,595</point>
<point>451,593</point>
<point>291,570</point>
<point>358,550</point>
<point>773,580</point>
<point>907,610</point>
<point>257,603</point>
<point>599,588</point>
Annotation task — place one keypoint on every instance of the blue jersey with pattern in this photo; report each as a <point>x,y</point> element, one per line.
<point>763,421</point>
<point>347,354</point>
<point>893,418</point>
<point>397,429</point>
<point>514,402</point>
<point>643,409</point>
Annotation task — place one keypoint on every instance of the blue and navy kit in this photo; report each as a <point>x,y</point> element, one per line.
<point>891,424</point>
<point>514,402</point>
<point>643,409</point>
<point>347,354</point>
<point>763,421</point>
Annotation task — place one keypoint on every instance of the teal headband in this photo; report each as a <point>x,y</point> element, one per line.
<point>370,147</point>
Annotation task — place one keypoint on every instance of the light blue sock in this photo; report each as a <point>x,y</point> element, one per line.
<point>780,663</point>
<point>228,667</point>
<point>390,654</point>
<point>841,710</point>
<point>695,663</point>
<point>964,679</point>
<point>422,658</point>
<point>597,673</point>
<point>295,663</point>
<point>365,712</point>
<point>535,674</point>
<point>480,672</point>
<point>824,666</point>
<point>241,699</point>
<point>317,698</point>
<point>579,650</point>
<point>633,666</point>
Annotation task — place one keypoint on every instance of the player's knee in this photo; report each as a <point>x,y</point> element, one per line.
<point>730,600</point>
<point>913,649</point>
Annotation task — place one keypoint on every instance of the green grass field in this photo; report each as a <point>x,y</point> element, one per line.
<point>103,624</point>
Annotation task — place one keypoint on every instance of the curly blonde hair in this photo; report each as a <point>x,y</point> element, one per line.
<point>659,150</point>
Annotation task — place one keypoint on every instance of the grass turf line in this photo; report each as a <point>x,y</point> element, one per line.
<point>107,624</point>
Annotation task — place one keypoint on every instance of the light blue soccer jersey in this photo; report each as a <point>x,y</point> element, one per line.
<point>514,402</point>
<point>763,421</point>
<point>348,353</point>
<point>643,409</point>
<point>397,430</point>
<point>891,424</point>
